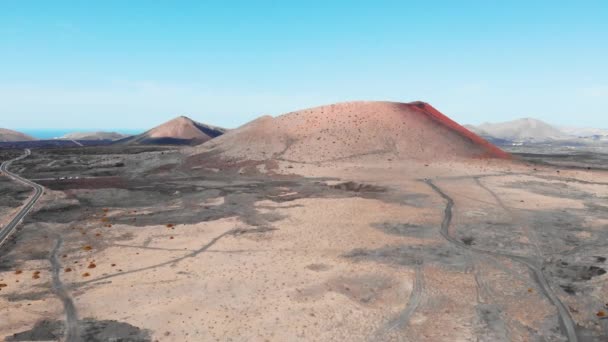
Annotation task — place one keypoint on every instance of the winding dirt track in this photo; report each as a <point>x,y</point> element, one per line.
<point>413,302</point>
<point>531,236</point>
<point>71,316</point>
<point>566,323</point>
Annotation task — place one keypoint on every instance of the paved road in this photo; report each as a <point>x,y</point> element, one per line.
<point>38,190</point>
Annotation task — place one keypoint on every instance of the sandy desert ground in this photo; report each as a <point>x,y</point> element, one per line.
<point>294,251</point>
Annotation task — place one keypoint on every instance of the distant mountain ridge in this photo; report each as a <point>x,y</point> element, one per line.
<point>584,132</point>
<point>523,130</point>
<point>94,136</point>
<point>529,130</point>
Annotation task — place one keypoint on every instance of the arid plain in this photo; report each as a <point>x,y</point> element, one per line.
<point>365,221</point>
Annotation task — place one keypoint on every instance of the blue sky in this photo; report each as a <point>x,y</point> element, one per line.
<point>135,64</point>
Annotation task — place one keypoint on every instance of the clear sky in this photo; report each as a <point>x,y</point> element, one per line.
<point>134,64</point>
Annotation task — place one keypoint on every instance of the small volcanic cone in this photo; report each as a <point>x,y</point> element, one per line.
<point>384,130</point>
<point>179,131</point>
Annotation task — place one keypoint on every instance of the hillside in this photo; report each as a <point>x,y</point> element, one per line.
<point>7,135</point>
<point>384,130</point>
<point>179,131</point>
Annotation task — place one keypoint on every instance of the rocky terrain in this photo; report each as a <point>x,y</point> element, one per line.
<point>327,229</point>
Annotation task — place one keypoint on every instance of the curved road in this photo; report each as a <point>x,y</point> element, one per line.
<point>6,231</point>
<point>565,320</point>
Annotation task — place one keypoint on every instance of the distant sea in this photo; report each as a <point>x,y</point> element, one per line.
<point>47,134</point>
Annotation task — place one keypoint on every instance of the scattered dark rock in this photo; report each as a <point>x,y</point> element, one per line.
<point>572,272</point>
<point>42,331</point>
<point>405,229</point>
<point>318,267</point>
<point>412,255</point>
<point>91,330</point>
<point>569,288</point>
<point>468,240</point>
<point>358,187</point>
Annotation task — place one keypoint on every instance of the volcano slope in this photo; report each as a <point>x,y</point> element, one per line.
<point>349,130</point>
<point>217,242</point>
<point>179,131</point>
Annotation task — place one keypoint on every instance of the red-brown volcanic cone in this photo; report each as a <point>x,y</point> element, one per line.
<point>402,131</point>
<point>492,150</point>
